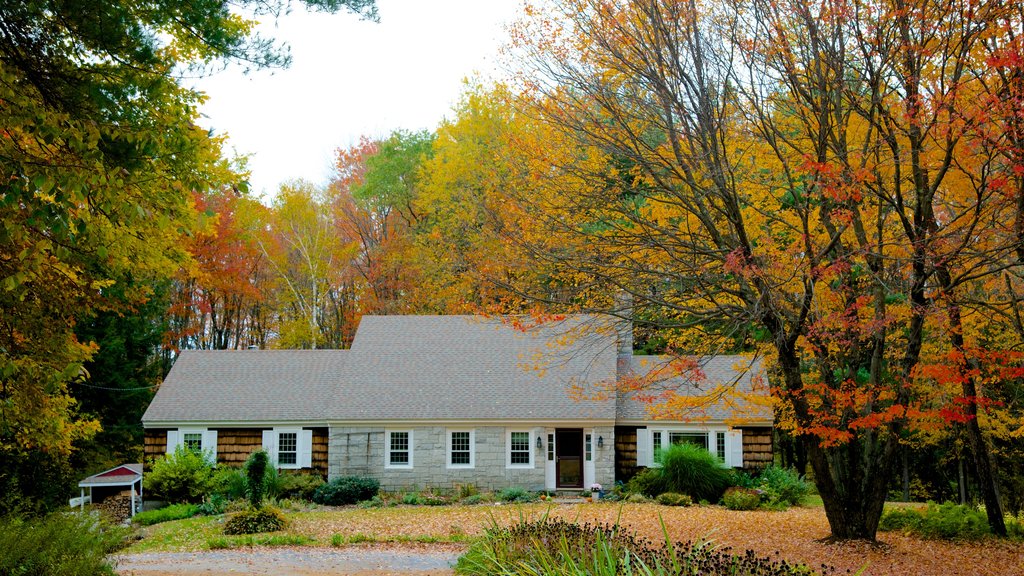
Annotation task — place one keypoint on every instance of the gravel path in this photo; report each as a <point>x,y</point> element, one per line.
<point>290,561</point>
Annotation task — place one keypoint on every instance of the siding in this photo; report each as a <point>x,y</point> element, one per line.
<point>625,453</point>
<point>234,445</point>
<point>757,447</point>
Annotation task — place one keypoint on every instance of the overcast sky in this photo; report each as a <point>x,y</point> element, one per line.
<point>351,77</point>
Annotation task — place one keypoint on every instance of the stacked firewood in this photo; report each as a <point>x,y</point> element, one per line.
<point>117,508</point>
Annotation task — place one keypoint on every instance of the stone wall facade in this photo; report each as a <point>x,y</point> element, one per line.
<point>361,451</point>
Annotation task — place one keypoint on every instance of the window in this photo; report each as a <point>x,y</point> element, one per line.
<point>588,448</point>
<point>519,453</point>
<point>287,448</point>
<point>656,444</point>
<point>193,441</point>
<point>551,447</point>
<point>199,440</point>
<point>399,449</point>
<point>460,449</point>
<point>720,445</point>
<point>695,438</point>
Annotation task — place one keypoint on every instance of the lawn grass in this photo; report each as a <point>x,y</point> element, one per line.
<point>798,534</point>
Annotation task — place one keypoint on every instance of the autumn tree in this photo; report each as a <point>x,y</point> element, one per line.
<point>99,152</point>
<point>797,175</point>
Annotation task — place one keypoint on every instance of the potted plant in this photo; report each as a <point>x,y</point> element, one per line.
<point>586,494</point>
<point>597,489</point>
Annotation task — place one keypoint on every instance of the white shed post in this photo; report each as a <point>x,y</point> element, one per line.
<point>81,500</point>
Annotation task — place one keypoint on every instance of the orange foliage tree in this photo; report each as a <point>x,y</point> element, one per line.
<point>814,180</point>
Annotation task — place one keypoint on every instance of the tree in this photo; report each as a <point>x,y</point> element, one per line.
<point>791,177</point>
<point>99,154</point>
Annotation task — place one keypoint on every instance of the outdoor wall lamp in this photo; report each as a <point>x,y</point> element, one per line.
<point>600,441</point>
<point>539,443</point>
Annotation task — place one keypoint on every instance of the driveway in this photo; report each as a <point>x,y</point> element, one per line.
<point>291,561</point>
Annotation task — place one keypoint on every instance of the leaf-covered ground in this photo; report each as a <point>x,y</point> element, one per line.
<point>794,535</point>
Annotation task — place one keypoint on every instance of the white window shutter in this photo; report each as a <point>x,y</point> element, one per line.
<point>173,441</point>
<point>644,454</point>
<point>305,449</point>
<point>210,444</point>
<point>734,448</point>
<point>270,445</point>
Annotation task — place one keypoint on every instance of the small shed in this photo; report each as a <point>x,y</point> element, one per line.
<point>123,478</point>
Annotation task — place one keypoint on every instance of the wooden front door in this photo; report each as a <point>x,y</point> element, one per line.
<point>569,457</point>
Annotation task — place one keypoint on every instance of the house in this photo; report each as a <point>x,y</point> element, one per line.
<point>444,400</point>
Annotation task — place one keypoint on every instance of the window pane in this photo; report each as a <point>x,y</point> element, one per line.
<point>695,438</point>
<point>193,442</point>
<point>587,448</point>
<point>720,444</point>
<point>519,446</point>
<point>287,448</point>
<point>460,448</point>
<point>399,442</point>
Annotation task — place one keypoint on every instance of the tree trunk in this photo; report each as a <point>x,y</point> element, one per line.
<point>852,480</point>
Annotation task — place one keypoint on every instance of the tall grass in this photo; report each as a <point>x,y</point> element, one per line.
<point>61,544</point>
<point>692,470</point>
<point>558,548</point>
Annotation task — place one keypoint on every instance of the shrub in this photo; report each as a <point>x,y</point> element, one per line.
<point>555,547</point>
<point>474,499</point>
<point>346,490</point>
<point>411,498</point>
<point>647,482</point>
<point>783,486</point>
<point>463,491</point>
<point>255,521</point>
<point>637,499</point>
<point>674,499</point>
<point>229,482</point>
<point>737,498</point>
<point>947,521</point>
<point>61,544</point>
<point>213,505</point>
<point>182,476</point>
<point>299,486</point>
<point>166,514</point>
<point>256,479</point>
<point>692,470</point>
<point>516,494</point>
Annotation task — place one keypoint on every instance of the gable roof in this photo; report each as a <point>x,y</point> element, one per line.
<point>470,367</point>
<point>117,476</point>
<point>248,385</point>
<point>740,374</point>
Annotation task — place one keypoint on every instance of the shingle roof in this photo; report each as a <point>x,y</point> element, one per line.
<point>117,476</point>
<point>469,367</point>
<point>739,374</point>
<point>248,385</point>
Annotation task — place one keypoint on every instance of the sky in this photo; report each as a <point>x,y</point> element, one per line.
<point>351,77</point>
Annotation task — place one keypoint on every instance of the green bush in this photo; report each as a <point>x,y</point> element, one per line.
<point>473,499</point>
<point>229,482</point>
<point>737,498</point>
<point>692,470</point>
<point>346,490</point>
<point>255,521</point>
<point>61,544</point>
<point>647,482</point>
<point>783,486</point>
<point>183,476</point>
<point>947,521</point>
<point>555,547</point>
<point>298,486</point>
<point>256,467</point>
<point>674,499</point>
<point>166,514</point>
<point>516,494</point>
<point>213,505</point>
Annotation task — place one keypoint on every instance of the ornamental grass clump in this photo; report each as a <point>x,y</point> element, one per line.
<point>694,471</point>
<point>257,518</point>
<point>555,547</point>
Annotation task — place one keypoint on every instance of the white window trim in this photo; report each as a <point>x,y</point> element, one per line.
<point>712,439</point>
<point>508,449</point>
<point>387,450</point>
<point>448,451</point>
<point>303,447</point>
<point>208,441</point>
